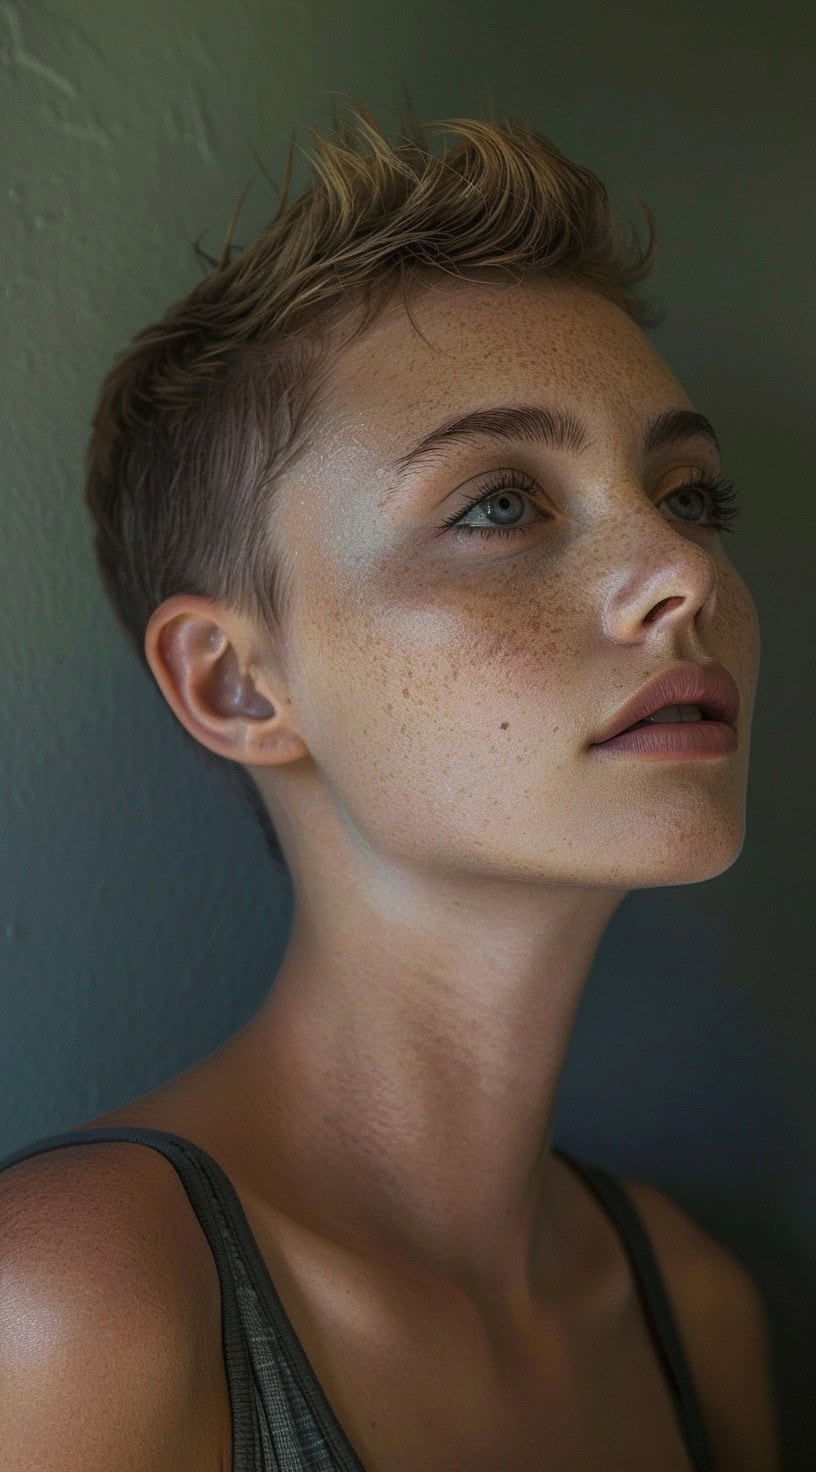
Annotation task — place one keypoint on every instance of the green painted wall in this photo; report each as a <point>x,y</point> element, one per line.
<point>139,923</point>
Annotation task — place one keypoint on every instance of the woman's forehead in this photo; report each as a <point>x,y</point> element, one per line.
<point>462,345</point>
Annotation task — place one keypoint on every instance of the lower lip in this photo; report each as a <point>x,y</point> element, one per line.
<point>673,741</point>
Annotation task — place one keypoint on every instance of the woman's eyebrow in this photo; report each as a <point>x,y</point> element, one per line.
<point>542,425</point>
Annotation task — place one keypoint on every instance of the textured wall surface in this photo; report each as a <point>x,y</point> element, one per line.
<point>139,923</point>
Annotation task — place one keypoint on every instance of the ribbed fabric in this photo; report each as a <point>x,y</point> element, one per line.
<point>281,1420</point>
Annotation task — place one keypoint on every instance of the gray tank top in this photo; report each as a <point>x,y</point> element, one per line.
<point>281,1419</point>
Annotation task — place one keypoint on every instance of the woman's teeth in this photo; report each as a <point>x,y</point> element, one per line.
<point>671,713</point>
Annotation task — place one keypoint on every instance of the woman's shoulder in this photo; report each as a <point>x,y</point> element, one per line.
<point>107,1279</point>
<point>112,1219</point>
<point>111,1191</point>
<point>696,1266</point>
<point>723,1326</point>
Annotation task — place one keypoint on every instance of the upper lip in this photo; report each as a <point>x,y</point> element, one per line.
<point>708,685</point>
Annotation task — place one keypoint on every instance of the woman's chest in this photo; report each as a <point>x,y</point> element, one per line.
<point>416,1386</point>
<point>430,1407</point>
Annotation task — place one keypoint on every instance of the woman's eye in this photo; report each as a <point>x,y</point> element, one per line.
<point>721,492</point>
<point>501,505</point>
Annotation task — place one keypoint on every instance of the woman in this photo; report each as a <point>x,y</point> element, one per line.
<point>407,518</point>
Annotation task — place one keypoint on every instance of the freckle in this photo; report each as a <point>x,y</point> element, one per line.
<point>504,725</point>
<point>405,689</point>
<point>390,708</point>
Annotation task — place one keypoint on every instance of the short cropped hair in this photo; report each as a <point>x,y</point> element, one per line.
<point>205,409</point>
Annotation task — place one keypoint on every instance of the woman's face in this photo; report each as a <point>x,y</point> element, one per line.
<point>448,683</point>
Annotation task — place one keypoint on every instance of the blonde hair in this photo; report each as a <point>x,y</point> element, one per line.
<point>205,409</point>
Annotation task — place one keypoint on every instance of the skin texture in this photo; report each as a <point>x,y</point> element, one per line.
<point>420,734</point>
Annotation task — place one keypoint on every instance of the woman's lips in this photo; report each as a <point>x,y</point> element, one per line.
<point>707,685</point>
<point>672,740</point>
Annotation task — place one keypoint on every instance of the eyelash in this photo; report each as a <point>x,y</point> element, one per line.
<point>721,489</point>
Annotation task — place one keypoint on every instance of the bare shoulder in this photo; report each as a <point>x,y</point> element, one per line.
<point>115,1208</point>
<point>105,1302</point>
<point>723,1325</point>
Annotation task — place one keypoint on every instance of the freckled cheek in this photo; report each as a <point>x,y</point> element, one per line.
<point>455,685</point>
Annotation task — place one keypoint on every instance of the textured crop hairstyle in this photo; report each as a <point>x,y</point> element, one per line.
<point>205,409</point>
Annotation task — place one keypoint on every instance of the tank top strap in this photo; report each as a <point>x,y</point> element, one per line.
<point>625,1216</point>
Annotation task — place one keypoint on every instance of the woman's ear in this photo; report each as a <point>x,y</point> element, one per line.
<point>206,662</point>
